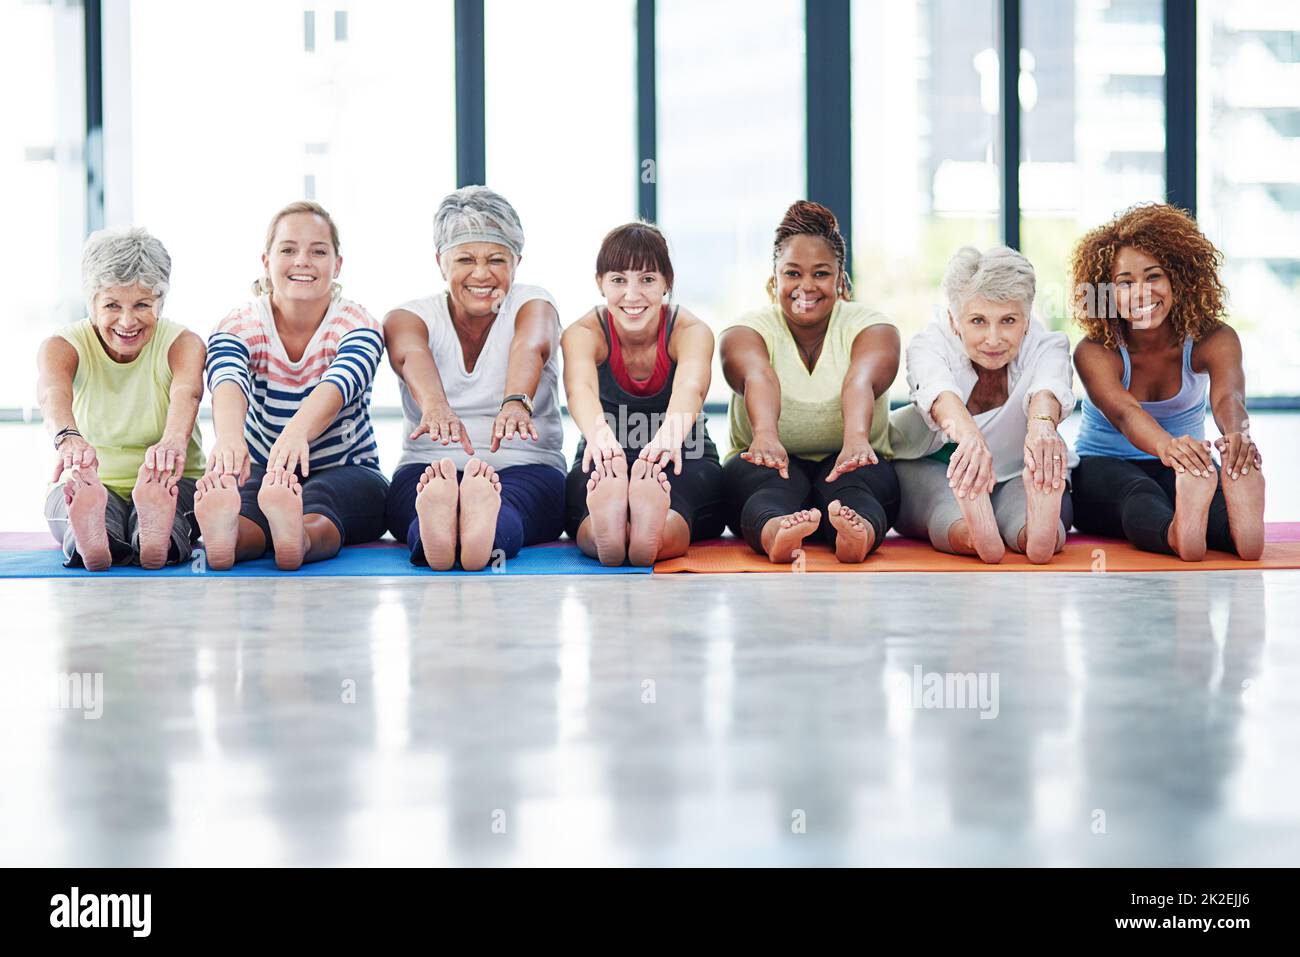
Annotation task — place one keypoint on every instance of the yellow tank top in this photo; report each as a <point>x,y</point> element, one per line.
<point>121,407</point>
<point>812,419</point>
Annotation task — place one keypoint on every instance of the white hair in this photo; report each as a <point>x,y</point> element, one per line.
<point>476,214</point>
<point>1000,274</point>
<point>124,257</point>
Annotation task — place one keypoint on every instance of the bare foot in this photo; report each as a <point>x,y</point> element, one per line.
<point>647,500</point>
<point>782,536</point>
<point>480,501</point>
<point>86,498</point>
<point>1042,519</point>
<point>436,495</point>
<point>280,500</point>
<point>854,536</point>
<point>216,509</point>
<point>985,538</point>
<point>1245,498</point>
<point>607,503</point>
<point>154,496</point>
<point>1192,495</point>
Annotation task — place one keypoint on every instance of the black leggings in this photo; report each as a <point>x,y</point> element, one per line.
<point>1134,499</point>
<point>695,495</point>
<point>755,495</point>
<point>350,496</point>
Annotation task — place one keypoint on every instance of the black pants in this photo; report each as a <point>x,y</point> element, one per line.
<point>755,495</point>
<point>696,495</point>
<point>1134,499</point>
<point>350,496</point>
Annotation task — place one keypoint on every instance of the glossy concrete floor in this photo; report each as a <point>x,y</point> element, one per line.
<point>775,719</point>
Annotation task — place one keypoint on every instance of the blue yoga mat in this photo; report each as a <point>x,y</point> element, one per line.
<point>362,561</point>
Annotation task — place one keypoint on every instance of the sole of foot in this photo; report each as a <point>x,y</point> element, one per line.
<point>86,498</point>
<point>280,499</point>
<point>648,497</point>
<point>1042,520</point>
<point>480,501</point>
<point>607,504</point>
<point>854,536</point>
<point>436,497</point>
<point>216,509</point>
<point>1245,499</point>
<point>985,537</point>
<point>789,532</point>
<point>154,496</point>
<point>1192,496</point>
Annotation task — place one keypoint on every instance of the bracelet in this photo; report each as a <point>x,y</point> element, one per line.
<point>1045,418</point>
<point>64,433</point>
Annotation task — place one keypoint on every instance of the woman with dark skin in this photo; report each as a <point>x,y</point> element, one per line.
<point>1149,297</point>
<point>810,410</point>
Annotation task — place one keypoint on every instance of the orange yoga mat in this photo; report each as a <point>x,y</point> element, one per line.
<point>1082,553</point>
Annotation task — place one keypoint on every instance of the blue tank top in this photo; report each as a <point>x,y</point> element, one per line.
<point>1184,414</point>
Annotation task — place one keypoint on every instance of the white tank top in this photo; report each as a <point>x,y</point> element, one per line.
<point>476,396</point>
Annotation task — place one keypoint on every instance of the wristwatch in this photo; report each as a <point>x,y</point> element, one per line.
<point>519,397</point>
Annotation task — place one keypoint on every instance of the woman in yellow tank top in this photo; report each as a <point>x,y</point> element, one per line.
<point>119,392</point>
<point>810,376</point>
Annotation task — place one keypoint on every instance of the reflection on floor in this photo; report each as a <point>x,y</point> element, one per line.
<point>1107,720</point>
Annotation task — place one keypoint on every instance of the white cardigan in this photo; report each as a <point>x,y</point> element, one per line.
<point>937,363</point>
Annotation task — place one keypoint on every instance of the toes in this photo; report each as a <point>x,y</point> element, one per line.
<point>473,467</point>
<point>446,468</point>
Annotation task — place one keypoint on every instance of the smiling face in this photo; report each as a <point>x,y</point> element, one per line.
<point>633,296</point>
<point>990,332</point>
<point>302,261</point>
<point>807,280</point>
<point>478,276</point>
<point>1143,294</point>
<point>125,318</point>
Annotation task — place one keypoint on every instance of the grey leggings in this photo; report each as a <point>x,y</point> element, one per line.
<point>123,526</point>
<point>929,506</point>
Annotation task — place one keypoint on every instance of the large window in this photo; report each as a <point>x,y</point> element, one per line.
<point>42,183</point>
<point>925,100</point>
<point>1248,165</point>
<point>1092,127</point>
<point>274,101</point>
<point>561,133</point>
<point>731,146</point>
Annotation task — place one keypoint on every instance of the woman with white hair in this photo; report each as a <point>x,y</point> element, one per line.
<point>482,469</point>
<point>119,393</point>
<point>985,468</point>
<point>295,468</point>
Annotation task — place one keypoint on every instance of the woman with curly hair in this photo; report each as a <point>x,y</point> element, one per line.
<point>1149,298</point>
<point>809,415</point>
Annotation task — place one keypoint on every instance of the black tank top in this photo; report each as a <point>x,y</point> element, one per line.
<point>636,418</point>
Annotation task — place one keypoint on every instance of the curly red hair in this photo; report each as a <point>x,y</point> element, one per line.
<point>1172,238</point>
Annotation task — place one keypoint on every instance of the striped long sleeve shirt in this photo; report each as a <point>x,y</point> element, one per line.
<point>344,351</point>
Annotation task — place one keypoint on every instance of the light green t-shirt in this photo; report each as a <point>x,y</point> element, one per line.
<point>121,407</point>
<point>812,419</point>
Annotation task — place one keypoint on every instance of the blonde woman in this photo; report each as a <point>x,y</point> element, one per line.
<point>295,469</point>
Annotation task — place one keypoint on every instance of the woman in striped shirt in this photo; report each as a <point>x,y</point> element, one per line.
<point>295,467</point>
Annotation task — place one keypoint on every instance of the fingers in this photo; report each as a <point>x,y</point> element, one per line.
<point>245,471</point>
<point>170,463</point>
<point>421,429</point>
<point>677,461</point>
<point>1058,466</point>
<point>150,457</point>
<point>586,458</point>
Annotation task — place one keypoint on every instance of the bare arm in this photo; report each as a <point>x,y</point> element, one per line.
<point>185,357</point>
<point>873,365</point>
<point>582,345</point>
<point>56,365</point>
<point>406,338</point>
<point>1221,353</point>
<point>530,349</point>
<point>691,348</point>
<point>748,370</point>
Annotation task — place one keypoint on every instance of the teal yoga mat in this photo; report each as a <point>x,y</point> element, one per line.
<point>558,558</point>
